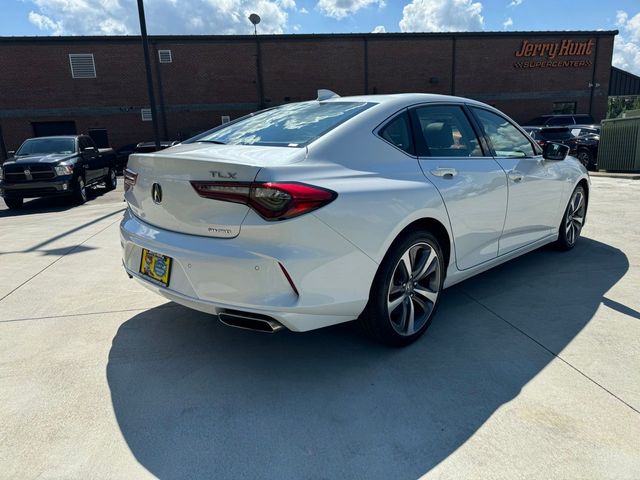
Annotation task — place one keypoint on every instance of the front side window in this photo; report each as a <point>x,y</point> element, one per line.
<point>398,133</point>
<point>46,146</point>
<point>506,139</point>
<point>446,132</point>
<point>293,125</point>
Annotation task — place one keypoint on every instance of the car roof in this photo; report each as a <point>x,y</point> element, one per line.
<point>402,99</point>
<point>56,136</point>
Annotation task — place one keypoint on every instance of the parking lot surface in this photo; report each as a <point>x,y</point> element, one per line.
<point>530,370</point>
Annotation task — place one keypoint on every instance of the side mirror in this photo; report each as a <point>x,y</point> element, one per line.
<point>555,151</point>
<point>89,149</point>
<point>11,153</point>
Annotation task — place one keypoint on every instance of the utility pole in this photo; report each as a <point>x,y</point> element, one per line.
<point>147,65</point>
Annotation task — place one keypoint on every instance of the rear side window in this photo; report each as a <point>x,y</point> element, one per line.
<point>398,133</point>
<point>446,132</point>
<point>506,139</point>
<point>292,125</point>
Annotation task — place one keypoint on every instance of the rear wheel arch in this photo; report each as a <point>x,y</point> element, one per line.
<point>585,184</point>
<point>435,227</point>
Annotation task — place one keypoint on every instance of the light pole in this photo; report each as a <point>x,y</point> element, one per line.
<point>147,65</point>
<point>255,19</point>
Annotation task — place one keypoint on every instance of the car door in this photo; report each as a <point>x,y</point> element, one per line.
<point>91,159</point>
<point>472,184</point>
<point>535,188</point>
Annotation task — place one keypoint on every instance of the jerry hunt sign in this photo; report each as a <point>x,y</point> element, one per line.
<point>553,54</point>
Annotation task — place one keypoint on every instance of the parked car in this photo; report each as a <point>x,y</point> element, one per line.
<point>544,135</point>
<point>61,165</point>
<point>587,150</point>
<point>315,213</point>
<point>560,120</point>
<point>583,140</point>
<point>122,153</point>
<point>122,156</point>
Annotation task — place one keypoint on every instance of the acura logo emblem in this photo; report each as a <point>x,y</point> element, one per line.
<point>156,193</point>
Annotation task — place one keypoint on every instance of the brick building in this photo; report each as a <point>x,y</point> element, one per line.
<point>97,85</point>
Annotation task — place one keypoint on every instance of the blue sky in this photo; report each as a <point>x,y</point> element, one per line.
<point>91,17</point>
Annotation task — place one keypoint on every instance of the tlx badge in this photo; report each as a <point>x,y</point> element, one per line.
<point>225,175</point>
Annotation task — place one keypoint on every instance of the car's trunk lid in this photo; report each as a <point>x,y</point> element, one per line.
<point>179,207</point>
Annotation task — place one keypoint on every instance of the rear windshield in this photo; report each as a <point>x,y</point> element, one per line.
<point>555,134</point>
<point>537,121</point>
<point>46,145</point>
<point>292,125</point>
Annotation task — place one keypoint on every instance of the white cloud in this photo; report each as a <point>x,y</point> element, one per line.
<point>342,8</point>
<point>441,16</point>
<point>297,27</point>
<point>303,10</point>
<point>626,49</point>
<point>621,17</point>
<point>195,17</point>
<point>515,3</point>
<point>45,23</point>
<point>507,23</point>
<point>379,29</point>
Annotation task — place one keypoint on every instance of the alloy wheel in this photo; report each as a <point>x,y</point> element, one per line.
<point>82,189</point>
<point>575,216</point>
<point>414,289</point>
<point>584,158</point>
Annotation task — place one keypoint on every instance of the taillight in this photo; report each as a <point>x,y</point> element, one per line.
<point>130,178</point>
<point>272,201</point>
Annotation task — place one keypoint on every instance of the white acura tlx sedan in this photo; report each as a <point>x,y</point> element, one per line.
<point>315,213</point>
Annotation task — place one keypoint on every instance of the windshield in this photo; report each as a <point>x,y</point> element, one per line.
<point>46,145</point>
<point>292,125</point>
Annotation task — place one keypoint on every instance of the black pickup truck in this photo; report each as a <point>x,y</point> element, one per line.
<point>62,165</point>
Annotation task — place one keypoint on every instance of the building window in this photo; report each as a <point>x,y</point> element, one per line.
<point>82,65</point>
<point>560,108</point>
<point>145,113</point>
<point>165,56</point>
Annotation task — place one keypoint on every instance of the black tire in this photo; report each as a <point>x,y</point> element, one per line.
<point>586,158</point>
<point>572,220</point>
<point>111,182</point>
<point>79,190</point>
<point>14,203</point>
<point>387,326</point>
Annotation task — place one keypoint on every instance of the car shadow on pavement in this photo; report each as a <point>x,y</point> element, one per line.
<point>50,204</point>
<point>196,399</point>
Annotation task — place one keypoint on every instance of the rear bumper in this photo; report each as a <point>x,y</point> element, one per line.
<point>62,186</point>
<point>332,277</point>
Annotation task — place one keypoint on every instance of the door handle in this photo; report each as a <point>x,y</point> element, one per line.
<point>516,176</point>
<point>444,172</point>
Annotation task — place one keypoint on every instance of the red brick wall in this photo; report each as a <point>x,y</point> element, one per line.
<point>210,77</point>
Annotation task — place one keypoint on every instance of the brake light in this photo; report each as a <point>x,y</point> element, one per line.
<point>130,178</point>
<point>272,201</point>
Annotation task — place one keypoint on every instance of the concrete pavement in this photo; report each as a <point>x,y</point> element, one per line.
<point>531,370</point>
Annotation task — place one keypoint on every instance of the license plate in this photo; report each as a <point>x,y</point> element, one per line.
<point>155,266</point>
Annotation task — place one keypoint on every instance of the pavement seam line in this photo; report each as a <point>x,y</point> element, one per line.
<point>59,258</point>
<point>48,317</point>
<point>550,351</point>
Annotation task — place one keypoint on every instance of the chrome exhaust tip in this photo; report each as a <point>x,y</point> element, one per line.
<point>250,321</point>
